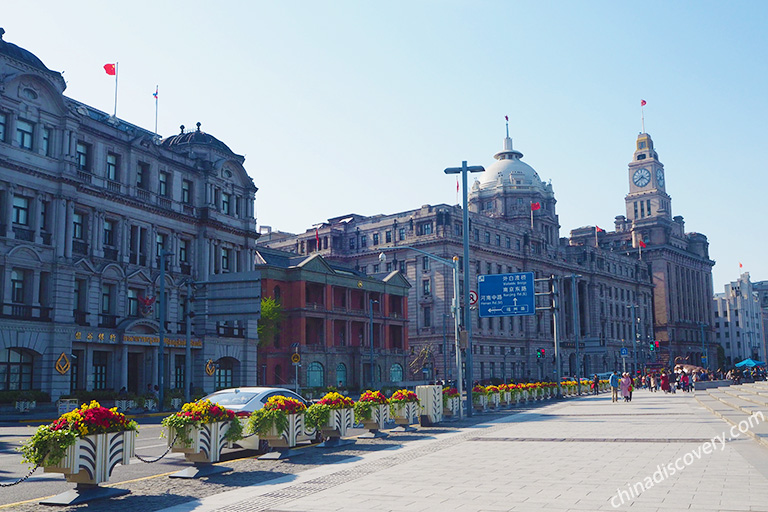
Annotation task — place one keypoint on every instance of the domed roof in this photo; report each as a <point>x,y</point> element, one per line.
<point>20,54</point>
<point>509,171</point>
<point>196,138</point>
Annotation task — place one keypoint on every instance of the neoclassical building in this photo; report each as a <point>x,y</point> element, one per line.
<point>513,227</point>
<point>88,202</point>
<point>739,321</point>
<point>678,261</point>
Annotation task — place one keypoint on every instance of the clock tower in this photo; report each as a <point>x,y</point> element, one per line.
<point>647,198</point>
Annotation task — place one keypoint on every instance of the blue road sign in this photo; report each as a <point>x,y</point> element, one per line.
<point>506,294</point>
<point>624,352</point>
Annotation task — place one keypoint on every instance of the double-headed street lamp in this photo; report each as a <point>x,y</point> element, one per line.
<point>371,302</point>
<point>454,308</point>
<point>463,170</point>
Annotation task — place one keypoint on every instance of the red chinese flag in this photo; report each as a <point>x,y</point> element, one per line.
<point>110,69</point>
<point>506,117</point>
<point>535,206</point>
<point>641,243</point>
<point>741,266</point>
<point>642,103</point>
<point>599,229</point>
<point>457,185</point>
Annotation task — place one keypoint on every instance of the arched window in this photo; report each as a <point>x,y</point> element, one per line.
<point>341,375</point>
<point>16,369</point>
<point>396,373</point>
<point>315,375</point>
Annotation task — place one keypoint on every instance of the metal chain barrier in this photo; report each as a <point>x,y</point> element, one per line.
<point>22,478</point>
<point>170,445</point>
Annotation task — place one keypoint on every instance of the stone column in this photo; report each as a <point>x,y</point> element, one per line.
<point>9,211</point>
<point>68,227</point>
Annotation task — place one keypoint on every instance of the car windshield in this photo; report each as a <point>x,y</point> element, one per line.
<point>232,398</point>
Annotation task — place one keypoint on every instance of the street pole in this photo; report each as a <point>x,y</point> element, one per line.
<point>161,333</point>
<point>188,350</point>
<point>464,169</point>
<point>555,318</point>
<point>457,335</point>
<point>445,349</point>
<point>634,337</point>
<point>575,302</point>
<point>703,353</point>
<point>371,302</point>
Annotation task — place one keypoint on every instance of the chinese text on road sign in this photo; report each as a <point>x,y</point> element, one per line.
<point>506,294</point>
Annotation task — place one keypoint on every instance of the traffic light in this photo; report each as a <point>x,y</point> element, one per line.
<point>542,352</point>
<point>651,346</point>
<point>657,344</point>
<point>539,352</point>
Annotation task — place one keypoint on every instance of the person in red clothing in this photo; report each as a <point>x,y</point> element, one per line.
<point>665,382</point>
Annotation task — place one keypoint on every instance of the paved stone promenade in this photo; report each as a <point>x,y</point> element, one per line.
<point>577,454</point>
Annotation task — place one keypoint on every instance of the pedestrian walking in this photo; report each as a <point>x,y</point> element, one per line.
<point>625,383</point>
<point>596,384</point>
<point>614,383</point>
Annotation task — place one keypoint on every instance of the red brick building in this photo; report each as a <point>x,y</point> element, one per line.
<point>327,311</point>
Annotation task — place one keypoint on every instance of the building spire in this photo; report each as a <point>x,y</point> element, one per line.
<point>507,119</point>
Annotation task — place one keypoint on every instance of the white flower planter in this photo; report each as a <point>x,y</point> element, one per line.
<point>379,416</point>
<point>405,413</point>
<point>92,458</point>
<point>479,402</point>
<point>176,403</point>
<point>494,400</point>
<point>25,405</point>
<point>431,403</point>
<point>295,432</point>
<point>123,404</point>
<point>207,442</point>
<point>506,398</point>
<point>451,407</point>
<point>339,421</point>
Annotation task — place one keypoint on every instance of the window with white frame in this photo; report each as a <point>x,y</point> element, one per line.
<point>112,161</point>
<point>24,132</point>
<point>21,210</point>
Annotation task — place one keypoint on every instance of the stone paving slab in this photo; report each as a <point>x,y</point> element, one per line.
<point>587,454</point>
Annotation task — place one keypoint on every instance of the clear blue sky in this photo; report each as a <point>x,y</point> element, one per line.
<point>357,107</point>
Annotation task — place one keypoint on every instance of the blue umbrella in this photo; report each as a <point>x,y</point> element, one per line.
<point>749,363</point>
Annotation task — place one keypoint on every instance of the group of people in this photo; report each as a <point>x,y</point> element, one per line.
<point>625,384</point>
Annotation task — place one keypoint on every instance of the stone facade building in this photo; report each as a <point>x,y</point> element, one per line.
<point>678,262</point>
<point>739,320</point>
<point>513,227</point>
<point>327,310</point>
<point>87,204</point>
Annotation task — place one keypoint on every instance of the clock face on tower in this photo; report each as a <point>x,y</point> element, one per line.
<point>660,177</point>
<point>642,177</point>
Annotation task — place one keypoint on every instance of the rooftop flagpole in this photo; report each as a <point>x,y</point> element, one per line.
<point>115,89</point>
<point>156,100</point>
<point>642,114</point>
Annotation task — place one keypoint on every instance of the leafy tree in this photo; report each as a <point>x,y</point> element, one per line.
<point>272,316</point>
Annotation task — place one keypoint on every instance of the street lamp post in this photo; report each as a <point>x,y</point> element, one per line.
<point>463,170</point>
<point>703,350</point>
<point>161,330</point>
<point>456,310</point>
<point>635,321</point>
<point>371,302</point>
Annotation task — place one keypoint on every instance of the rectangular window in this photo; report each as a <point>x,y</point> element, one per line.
<point>17,286</point>
<point>648,207</point>
<point>376,268</point>
<point>498,240</point>
<point>106,298</point>
<point>3,121</point>
<point>388,236</point>
<point>642,209</point>
<point>183,251</point>
<point>133,302</point>
<point>21,210</point>
<point>363,241</point>
<point>508,243</point>
<point>425,263</point>
<point>186,192</point>
<point>47,141</point>
<point>78,225</point>
<point>426,287</point>
<point>142,175</point>
<point>375,239</point>
<point>109,232</point>
<point>487,237</point>
<point>457,229</point>
<point>163,188</point>
<point>401,234</point>
<point>160,240</point>
<point>427,317</point>
<point>44,205</point>
<point>635,205</point>
<point>79,294</point>
<point>100,369</point>
<point>226,256</point>
<point>112,166</point>
<point>83,157</point>
<point>226,203</point>
<point>476,234</point>
<point>24,131</point>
